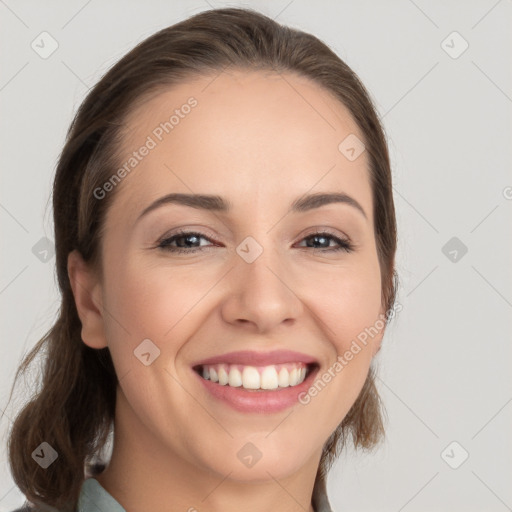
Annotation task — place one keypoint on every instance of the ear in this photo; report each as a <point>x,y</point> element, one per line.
<point>377,340</point>
<point>377,344</point>
<point>87,293</point>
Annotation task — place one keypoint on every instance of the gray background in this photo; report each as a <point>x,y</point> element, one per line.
<point>445,363</point>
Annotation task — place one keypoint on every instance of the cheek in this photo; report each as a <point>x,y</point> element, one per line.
<point>348,301</point>
<point>147,303</point>
<point>347,306</point>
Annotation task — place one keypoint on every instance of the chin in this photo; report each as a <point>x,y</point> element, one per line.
<point>260,460</point>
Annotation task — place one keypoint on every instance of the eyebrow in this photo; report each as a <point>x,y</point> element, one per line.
<point>219,204</point>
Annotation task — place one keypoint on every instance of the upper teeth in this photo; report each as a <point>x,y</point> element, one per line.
<point>256,377</point>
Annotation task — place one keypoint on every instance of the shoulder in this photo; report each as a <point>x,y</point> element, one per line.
<point>91,470</point>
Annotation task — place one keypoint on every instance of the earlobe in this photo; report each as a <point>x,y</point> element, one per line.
<point>87,294</point>
<point>377,342</point>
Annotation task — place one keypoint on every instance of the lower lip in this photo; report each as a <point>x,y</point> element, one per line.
<point>266,402</point>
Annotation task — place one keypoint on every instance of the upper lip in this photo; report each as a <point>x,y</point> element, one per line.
<point>251,358</point>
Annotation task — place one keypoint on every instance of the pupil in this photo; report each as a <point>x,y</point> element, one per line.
<point>187,237</point>
<point>317,237</point>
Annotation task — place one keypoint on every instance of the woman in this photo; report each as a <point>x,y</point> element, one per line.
<point>225,239</point>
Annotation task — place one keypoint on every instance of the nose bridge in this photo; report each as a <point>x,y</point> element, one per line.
<point>261,265</point>
<point>260,289</point>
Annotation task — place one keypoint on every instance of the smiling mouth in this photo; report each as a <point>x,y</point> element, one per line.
<point>256,378</point>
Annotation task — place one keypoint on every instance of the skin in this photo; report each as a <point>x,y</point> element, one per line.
<point>260,140</point>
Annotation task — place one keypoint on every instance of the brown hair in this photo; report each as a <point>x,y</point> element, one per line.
<point>74,408</point>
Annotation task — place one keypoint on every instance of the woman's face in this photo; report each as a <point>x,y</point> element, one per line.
<point>252,277</point>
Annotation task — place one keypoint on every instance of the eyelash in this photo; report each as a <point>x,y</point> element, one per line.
<point>343,244</point>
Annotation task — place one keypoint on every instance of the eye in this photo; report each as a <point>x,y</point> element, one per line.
<point>324,238</point>
<point>190,242</point>
<point>185,241</point>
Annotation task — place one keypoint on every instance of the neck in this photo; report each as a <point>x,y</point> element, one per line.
<point>144,475</point>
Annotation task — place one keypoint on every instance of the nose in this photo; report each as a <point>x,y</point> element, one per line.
<point>260,295</point>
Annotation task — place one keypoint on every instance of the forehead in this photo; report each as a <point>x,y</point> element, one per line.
<point>240,134</point>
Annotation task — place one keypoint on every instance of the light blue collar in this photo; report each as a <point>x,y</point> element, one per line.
<point>94,498</point>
